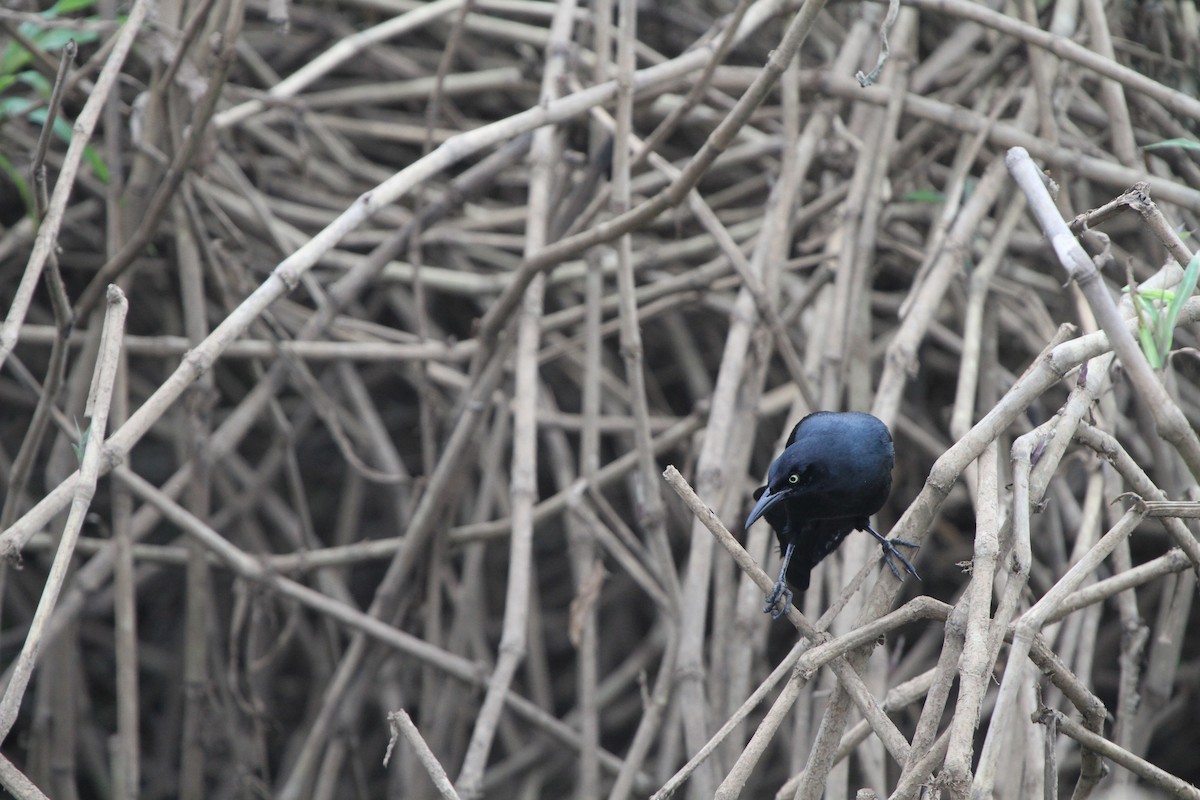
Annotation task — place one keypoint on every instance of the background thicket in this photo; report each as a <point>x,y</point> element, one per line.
<point>419,300</point>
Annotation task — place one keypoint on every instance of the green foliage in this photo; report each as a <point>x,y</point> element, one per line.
<point>49,39</point>
<point>925,196</point>
<point>13,60</point>
<point>1186,144</point>
<point>1157,312</point>
<point>82,436</point>
<point>18,180</point>
<point>18,107</point>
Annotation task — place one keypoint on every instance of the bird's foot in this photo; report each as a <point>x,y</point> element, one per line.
<point>890,551</point>
<point>773,606</point>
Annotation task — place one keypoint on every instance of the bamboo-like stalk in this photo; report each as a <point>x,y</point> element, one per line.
<point>418,492</point>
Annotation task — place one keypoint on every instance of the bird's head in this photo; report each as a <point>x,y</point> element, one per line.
<point>834,465</point>
<point>791,476</point>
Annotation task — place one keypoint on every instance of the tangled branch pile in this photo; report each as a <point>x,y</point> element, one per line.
<point>419,301</point>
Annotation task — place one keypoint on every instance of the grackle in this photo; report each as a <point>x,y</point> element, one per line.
<point>834,473</point>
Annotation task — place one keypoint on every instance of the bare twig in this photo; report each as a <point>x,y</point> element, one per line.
<point>99,397</point>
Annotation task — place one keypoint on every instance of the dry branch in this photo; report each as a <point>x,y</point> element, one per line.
<point>423,298</point>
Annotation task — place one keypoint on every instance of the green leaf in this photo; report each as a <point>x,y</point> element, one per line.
<point>1147,311</point>
<point>14,107</point>
<point>1166,333</point>
<point>19,181</point>
<point>68,7</point>
<point>1162,295</point>
<point>63,130</point>
<point>82,436</point>
<point>48,38</point>
<point>1156,324</point>
<point>97,163</point>
<point>37,81</point>
<point>1147,315</point>
<point>52,39</point>
<point>1184,291</point>
<point>1146,336</point>
<point>1162,336</point>
<point>925,196</point>
<point>17,107</point>
<point>15,56</point>
<point>1187,144</point>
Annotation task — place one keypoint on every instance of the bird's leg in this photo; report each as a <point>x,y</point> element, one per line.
<point>889,550</point>
<point>780,590</point>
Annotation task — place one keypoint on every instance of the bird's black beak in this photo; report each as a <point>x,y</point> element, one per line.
<point>767,499</point>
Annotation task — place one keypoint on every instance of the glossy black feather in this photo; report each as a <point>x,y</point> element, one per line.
<point>834,472</point>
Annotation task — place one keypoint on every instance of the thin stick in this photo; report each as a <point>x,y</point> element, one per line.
<point>1142,768</point>
<point>99,397</point>
<point>882,725</point>
<point>401,723</point>
<point>16,782</point>
<point>1168,418</point>
<point>1026,626</point>
<point>85,123</point>
<point>544,154</point>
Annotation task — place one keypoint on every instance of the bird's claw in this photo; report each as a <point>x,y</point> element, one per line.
<point>889,550</point>
<point>773,606</point>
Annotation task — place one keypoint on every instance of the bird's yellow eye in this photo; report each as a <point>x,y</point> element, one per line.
<point>793,478</point>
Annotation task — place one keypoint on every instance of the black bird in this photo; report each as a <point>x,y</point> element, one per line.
<point>834,473</point>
